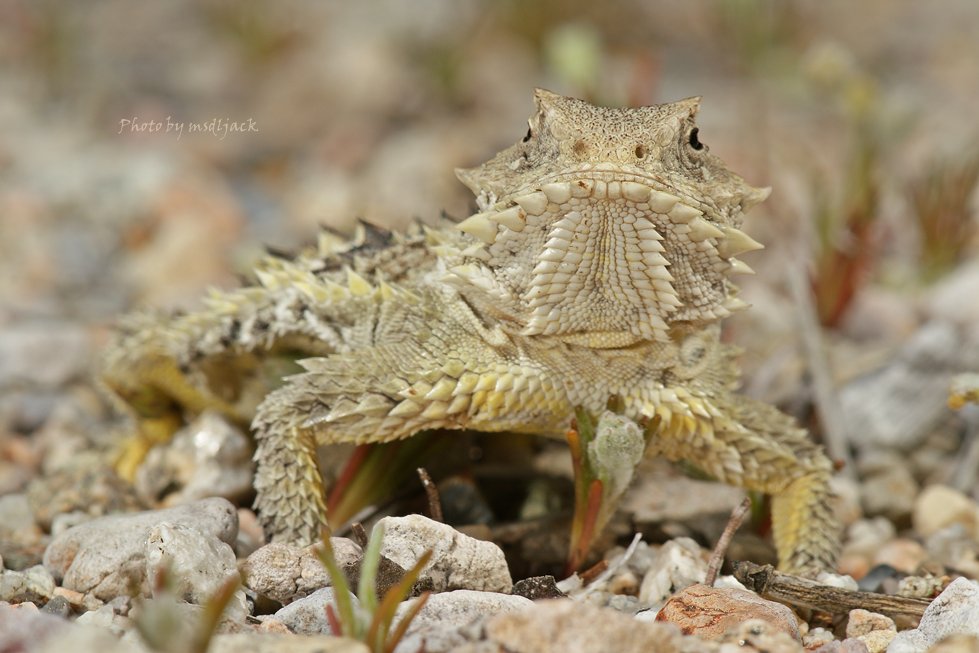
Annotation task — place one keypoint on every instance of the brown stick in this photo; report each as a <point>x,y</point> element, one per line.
<point>359,534</point>
<point>796,590</point>
<point>724,541</point>
<point>432,492</point>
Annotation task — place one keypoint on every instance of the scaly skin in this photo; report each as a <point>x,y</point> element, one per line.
<point>598,265</point>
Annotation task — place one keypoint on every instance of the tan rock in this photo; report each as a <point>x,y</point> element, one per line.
<point>875,630</point>
<point>563,626</point>
<point>903,554</point>
<point>709,612</point>
<point>939,506</point>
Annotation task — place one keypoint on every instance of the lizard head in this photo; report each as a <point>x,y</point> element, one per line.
<point>607,225</point>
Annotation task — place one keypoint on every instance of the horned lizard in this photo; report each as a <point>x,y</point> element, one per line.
<point>599,264</point>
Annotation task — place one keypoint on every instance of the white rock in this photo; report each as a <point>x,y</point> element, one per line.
<point>284,572</point>
<point>444,622</point>
<point>267,643</point>
<point>307,616</point>
<point>875,630</point>
<point>208,458</point>
<point>842,581</point>
<point>106,557</point>
<point>954,611</point>
<point>677,565</point>
<point>458,561</point>
<point>197,564</point>
<point>34,584</point>
<point>104,618</point>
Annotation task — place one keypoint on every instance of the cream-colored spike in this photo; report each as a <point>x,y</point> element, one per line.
<point>535,203</point>
<point>735,304</point>
<point>406,408</point>
<point>683,213</point>
<point>755,197</point>
<point>436,410</point>
<point>736,242</point>
<point>662,202</point>
<point>635,192</point>
<point>358,285</point>
<point>458,404</point>
<point>701,229</point>
<point>477,251</point>
<point>386,291</point>
<point>739,267</point>
<point>270,281</point>
<point>314,291</point>
<point>514,218</point>
<point>480,226</point>
<point>328,243</point>
<point>442,390</point>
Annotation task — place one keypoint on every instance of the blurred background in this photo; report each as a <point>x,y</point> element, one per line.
<point>862,116</point>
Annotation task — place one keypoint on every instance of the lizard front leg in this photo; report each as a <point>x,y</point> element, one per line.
<point>384,393</point>
<point>750,444</point>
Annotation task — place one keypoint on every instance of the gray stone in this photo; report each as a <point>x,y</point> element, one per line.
<point>21,540</point>
<point>34,584</point>
<point>25,628</point>
<point>45,353</point>
<point>58,606</point>
<point>953,612</point>
<point>106,557</point>
<point>104,618</point>
<point>198,565</point>
<point>283,572</point>
<point>458,561</point>
<point>307,616</point>
<point>898,405</point>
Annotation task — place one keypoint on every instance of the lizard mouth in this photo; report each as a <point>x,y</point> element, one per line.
<point>611,252</point>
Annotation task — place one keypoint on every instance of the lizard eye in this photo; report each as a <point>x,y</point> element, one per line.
<point>694,140</point>
<point>530,133</point>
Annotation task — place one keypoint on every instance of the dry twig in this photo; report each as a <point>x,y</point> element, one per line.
<point>359,533</point>
<point>724,541</point>
<point>432,492</point>
<point>806,593</point>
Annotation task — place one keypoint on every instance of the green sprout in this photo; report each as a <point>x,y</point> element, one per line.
<point>163,624</point>
<point>604,455</point>
<point>370,621</point>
